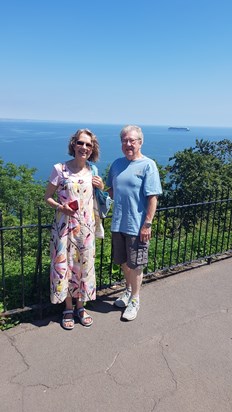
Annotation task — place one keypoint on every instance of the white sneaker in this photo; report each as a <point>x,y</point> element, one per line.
<point>131,310</point>
<point>123,300</point>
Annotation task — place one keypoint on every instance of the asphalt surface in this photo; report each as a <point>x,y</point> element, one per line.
<point>176,356</point>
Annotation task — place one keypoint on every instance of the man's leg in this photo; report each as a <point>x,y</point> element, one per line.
<point>120,255</point>
<point>136,278</point>
<point>137,258</point>
<point>124,298</point>
<point>127,273</point>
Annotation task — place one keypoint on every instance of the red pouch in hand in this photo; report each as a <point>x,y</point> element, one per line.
<point>74,205</point>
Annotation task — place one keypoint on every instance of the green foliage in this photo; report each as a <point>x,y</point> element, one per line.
<point>106,272</point>
<point>163,172</point>
<point>201,171</point>
<point>105,173</point>
<point>20,191</point>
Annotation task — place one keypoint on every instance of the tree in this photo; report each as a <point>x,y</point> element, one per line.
<point>201,171</point>
<point>19,190</point>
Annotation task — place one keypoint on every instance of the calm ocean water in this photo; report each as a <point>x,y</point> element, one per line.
<point>42,144</point>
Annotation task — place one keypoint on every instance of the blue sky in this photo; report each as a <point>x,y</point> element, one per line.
<point>157,62</point>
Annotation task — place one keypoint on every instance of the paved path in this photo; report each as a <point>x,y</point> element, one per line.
<point>175,357</point>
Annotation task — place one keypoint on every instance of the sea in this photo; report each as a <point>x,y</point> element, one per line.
<point>41,144</point>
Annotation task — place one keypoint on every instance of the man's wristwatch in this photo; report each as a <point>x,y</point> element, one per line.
<point>147,225</point>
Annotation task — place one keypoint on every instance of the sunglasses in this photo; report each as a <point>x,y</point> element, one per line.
<point>80,143</point>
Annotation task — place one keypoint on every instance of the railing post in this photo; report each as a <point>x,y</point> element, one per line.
<point>156,239</point>
<point>22,257</point>
<point>3,266</point>
<point>219,219</point>
<point>40,261</point>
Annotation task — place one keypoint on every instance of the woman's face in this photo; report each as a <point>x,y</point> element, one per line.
<point>83,147</point>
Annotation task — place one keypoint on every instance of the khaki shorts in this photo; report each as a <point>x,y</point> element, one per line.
<point>130,250</point>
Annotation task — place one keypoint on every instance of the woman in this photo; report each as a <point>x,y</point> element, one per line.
<point>73,232</point>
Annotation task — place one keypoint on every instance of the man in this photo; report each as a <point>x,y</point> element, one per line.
<point>134,184</point>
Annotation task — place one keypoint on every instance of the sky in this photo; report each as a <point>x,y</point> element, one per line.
<point>147,62</point>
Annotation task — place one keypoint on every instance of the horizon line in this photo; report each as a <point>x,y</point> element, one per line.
<point>100,123</point>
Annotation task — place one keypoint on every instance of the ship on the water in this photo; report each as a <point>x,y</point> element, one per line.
<point>186,129</point>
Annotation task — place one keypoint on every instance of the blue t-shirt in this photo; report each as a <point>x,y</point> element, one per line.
<point>132,182</point>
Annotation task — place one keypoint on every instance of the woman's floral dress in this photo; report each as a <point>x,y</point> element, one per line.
<point>73,238</point>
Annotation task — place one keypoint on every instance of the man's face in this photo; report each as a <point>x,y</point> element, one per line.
<point>131,145</point>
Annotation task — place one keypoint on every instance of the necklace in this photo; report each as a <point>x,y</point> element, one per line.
<point>77,169</point>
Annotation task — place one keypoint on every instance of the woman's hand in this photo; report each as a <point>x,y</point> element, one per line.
<point>66,209</point>
<point>97,182</point>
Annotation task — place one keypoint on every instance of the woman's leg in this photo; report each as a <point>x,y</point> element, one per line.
<point>68,307</point>
<point>83,314</point>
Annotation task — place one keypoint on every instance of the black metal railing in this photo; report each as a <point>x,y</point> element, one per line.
<point>182,234</point>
